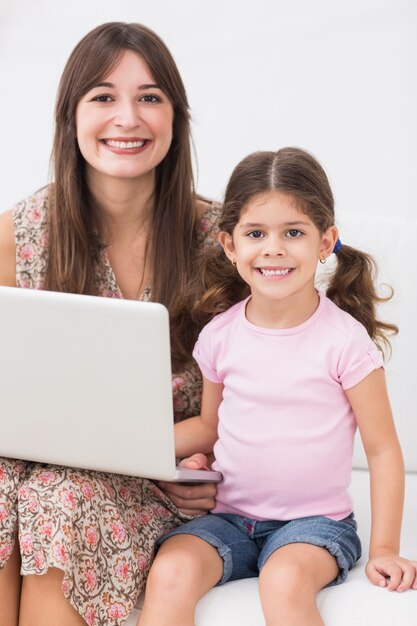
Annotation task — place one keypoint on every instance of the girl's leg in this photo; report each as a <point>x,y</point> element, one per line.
<point>10,581</point>
<point>43,602</point>
<point>185,568</point>
<point>289,582</point>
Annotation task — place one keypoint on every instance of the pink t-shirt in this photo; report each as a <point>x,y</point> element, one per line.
<point>286,428</point>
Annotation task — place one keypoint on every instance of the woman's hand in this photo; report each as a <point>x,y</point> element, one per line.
<point>393,572</point>
<point>191,499</point>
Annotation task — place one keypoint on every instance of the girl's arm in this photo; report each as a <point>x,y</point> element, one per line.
<point>371,406</point>
<point>199,434</point>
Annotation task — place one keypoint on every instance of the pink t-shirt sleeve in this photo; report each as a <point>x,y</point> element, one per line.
<point>203,354</point>
<point>359,358</point>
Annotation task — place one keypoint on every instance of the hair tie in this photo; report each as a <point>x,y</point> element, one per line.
<point>337,246</point>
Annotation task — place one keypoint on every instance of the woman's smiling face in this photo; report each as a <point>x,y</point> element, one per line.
<point>124,124</point>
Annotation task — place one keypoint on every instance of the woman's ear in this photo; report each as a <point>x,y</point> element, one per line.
<point>226,241</point>
<point>328,241</point>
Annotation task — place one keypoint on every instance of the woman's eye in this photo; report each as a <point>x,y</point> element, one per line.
<point>150,98</point>
<point>294,232</point>
<point>255,234</point>
<point>102,98</point>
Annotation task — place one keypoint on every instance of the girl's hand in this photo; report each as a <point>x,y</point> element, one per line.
<point>392,572</point>
<point>192,499</point>
<point>196,461</point>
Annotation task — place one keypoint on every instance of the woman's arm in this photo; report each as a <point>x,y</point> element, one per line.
<point>196,434</point>
<point>199,434</point>
<point>371,406</point>
<point>7,251</point>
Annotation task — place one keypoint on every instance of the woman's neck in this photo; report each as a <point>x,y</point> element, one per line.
<point>122,204</point>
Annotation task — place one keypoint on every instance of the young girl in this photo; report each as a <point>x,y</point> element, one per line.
<point>288,375</point>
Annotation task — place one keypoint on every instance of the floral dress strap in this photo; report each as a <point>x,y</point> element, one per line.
<point>30,218</point>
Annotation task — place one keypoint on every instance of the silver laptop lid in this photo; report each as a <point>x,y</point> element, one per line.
<point>86,381</point>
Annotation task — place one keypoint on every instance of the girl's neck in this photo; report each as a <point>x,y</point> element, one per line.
<point>282,313</point>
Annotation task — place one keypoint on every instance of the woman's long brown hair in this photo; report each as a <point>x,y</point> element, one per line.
<point>73,241</point>
<point>296,173</point>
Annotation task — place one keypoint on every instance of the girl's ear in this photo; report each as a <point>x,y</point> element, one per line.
<point>328,241</point>
<point>226,241</point>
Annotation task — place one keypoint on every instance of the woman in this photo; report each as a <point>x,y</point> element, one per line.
<point>120,214</point>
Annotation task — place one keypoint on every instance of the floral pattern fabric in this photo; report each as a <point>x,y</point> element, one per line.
<point>98,528</point>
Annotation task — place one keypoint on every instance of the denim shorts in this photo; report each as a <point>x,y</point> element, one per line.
<point>245,544</point>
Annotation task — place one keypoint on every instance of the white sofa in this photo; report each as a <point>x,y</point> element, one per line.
<point>391,240</point>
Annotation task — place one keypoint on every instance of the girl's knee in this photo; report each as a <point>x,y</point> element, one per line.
<point>173,570</point>
<point>299,567</point>
<point>285,576</point>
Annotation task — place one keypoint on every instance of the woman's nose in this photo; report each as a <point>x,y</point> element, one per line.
<point>127,115</point>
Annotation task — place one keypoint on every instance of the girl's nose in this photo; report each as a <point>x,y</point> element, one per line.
<point>274,247</point>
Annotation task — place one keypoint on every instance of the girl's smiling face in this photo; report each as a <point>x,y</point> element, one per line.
<point>124,124</point>
<point>276,248</point>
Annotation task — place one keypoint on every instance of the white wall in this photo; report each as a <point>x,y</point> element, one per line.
<point>334,76</point>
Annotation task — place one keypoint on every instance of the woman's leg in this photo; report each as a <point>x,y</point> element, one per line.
<point>289,582</point>
<point>10,581</point>
<point>86,542</point>
<point>185,568</point>
<point>12,475</point>
<point>44,604</point>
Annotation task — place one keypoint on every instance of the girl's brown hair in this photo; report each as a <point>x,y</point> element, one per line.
<point>73,241</point>
<point>296,173</point>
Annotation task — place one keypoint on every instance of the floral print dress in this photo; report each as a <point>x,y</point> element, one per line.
<point>98,528</point>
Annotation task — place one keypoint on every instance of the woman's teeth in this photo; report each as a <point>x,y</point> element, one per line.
<point>124,144</point>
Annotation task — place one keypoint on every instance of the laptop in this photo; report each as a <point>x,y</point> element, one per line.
<point>85,381</point>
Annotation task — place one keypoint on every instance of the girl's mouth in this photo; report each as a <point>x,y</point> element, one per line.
<point>268,272</point>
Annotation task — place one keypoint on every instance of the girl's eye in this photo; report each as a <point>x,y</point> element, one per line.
<point>255,234</point>
<point>150,98</point>
<point>294,232</point>
<point>102,98</point>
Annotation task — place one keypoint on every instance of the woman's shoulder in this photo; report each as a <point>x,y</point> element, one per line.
<point>204,206</point>
<point>30,222</point>
<point>32,211</point>
<point>209,213</point>
<point>7,250</point>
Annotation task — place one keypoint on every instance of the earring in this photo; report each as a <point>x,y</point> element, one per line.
<point>234,262</point>
<point>323,260</point>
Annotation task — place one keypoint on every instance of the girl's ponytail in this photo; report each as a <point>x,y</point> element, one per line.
<point>352,288</point>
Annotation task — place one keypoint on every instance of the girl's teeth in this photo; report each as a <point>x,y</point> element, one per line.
<point>275,272</point>
<point>125,144</point>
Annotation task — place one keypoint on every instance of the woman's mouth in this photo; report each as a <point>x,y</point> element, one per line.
<point>124,144</point>
<point>120,145</point>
